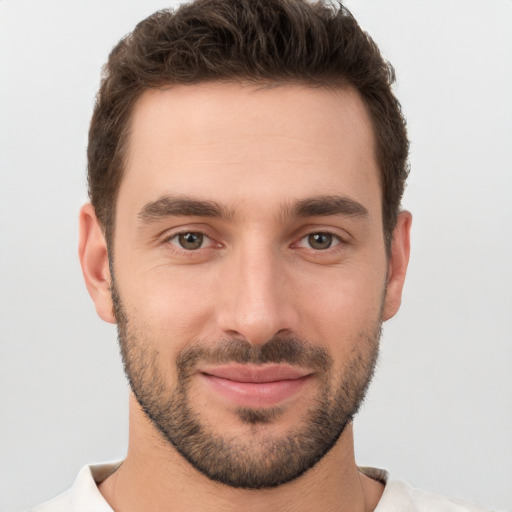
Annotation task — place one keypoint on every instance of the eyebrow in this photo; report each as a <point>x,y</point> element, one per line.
<point>169,206</point>
<point>320,206</point>
<point>323,206</point>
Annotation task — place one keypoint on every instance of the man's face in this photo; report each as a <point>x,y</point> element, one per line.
<point>250,273</point>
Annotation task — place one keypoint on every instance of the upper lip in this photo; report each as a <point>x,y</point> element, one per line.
<point>255,373</point>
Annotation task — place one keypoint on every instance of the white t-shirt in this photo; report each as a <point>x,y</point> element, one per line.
<point>398,495</point>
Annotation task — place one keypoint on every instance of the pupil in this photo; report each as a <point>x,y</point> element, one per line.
<point>320,240</point>
<point>191,240</point>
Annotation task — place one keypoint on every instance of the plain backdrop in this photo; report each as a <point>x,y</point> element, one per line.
<point>439,412</point>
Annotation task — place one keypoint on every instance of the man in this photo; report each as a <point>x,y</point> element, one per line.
<point>246,166</point>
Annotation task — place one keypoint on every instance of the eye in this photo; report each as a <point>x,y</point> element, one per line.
<point>319,241</point>
<point>189,240</point>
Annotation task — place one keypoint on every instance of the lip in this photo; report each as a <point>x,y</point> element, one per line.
<point>256,386</point>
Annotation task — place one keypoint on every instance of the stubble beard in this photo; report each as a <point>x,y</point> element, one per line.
<point>260,460</point>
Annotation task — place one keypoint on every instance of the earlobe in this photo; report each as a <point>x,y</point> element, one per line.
<point>397,266</point>
<point>93,254</point>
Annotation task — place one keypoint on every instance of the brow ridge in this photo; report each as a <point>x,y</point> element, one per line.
<point>176,206</point>
<point>323,206</point>
<point>171,206</point>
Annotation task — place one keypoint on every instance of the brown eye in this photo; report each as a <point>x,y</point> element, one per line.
<point>320,241</point>
<point>190,241</point>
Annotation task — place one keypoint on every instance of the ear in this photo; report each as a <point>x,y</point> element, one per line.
<point>93,254</point>
<point>397,265</point>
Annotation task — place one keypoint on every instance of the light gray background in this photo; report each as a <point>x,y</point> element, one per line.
<point>440,409</point>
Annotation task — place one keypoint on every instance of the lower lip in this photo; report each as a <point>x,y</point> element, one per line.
<point>256,394</point>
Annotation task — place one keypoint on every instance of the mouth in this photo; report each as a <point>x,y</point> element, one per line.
<point>256,386</point>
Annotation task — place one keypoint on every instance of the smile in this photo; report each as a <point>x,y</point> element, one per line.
<point>255,386</point>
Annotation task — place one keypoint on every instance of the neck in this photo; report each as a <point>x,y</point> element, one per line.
<point>154,476</point>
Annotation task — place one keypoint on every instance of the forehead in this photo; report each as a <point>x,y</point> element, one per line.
<point>241,143</point>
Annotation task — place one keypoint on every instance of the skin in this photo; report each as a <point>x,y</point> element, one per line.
<point>255,152</point>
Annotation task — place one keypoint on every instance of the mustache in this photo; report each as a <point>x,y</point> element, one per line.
<point>279,349</point>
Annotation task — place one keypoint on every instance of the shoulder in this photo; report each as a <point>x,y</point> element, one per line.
<point>61,503</point>
<point>418,500</point>
<point>400,496</point>
<point>84,495</point>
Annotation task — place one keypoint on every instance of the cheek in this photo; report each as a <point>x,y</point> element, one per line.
<point>345,304</point>
<point>170,306</point>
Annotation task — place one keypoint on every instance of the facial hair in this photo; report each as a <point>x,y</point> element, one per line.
<point>251,462</point>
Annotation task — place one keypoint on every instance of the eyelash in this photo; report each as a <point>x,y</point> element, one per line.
<point>335,242</point>
<point>169,239</point>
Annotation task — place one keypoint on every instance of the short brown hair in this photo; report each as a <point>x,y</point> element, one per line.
<point>260,41</point>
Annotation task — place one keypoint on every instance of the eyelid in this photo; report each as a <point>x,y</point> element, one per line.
<point>174,240</point>
<point>337,240</point>
<point>339,233</point>
<point>193,227</point>
<point>171,234</point>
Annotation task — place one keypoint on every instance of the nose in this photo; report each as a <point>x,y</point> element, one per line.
<point>256,301</point>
